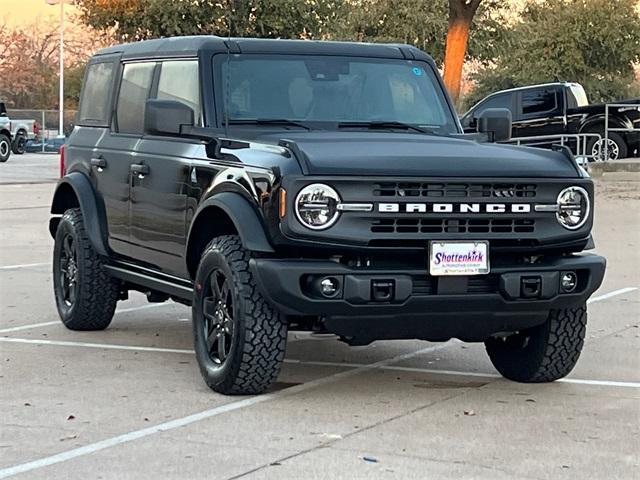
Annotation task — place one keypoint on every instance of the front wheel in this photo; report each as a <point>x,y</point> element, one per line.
<point>5,148</point>
<point>544,353</point>
<point>239,337</point>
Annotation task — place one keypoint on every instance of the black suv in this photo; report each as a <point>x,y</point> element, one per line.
<point>323,186</point>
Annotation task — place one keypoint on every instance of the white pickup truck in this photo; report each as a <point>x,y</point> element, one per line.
<point>5,134</point>
<point>20,131</point>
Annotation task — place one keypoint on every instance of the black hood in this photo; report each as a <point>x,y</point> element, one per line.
<point>400,154</point>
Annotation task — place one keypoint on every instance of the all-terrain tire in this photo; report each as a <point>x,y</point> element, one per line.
<point>5,148</point>
<point>96,292</point>
<point>543,353</point>
<point>257,346</point>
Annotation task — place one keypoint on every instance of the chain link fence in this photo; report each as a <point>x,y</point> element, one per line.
<point>48,123</point>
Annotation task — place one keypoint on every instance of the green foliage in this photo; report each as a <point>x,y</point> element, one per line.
<point>593,42</point>
<point>422,23</point>
<point>141,19</point>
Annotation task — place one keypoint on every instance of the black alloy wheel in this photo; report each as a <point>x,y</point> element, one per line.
<point>68,270</point>
<point>239,338</point>
<point>218,311</point>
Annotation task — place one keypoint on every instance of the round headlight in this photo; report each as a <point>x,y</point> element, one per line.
<point>573,207</point>
<point>317,206</point>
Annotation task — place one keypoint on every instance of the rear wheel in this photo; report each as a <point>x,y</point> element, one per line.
<point>5,148</point>
<point>616,147</point>
<point>239,338</point>
<point>19,143</point>
<point>544,353</point>
<point>86,295</point>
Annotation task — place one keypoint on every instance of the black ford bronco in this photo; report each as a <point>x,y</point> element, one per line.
<point>277,185</point>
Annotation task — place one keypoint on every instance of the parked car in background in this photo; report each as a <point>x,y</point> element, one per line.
<point>5,134</point>
<point>563,108</point>
<point>21,131</point>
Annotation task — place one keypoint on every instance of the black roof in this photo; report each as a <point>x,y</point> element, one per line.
<point>190,46</point>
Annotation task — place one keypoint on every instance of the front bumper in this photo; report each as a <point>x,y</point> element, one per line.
<point>432,308</point>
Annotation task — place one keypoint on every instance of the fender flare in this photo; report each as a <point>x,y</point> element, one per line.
<point>244,217</point>
<point>92,210</point>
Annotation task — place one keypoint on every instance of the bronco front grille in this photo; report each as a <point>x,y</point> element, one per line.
<point>454,190</point>
<point>452,225</point>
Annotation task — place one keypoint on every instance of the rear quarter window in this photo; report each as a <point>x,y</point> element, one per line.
<point>96,95</point>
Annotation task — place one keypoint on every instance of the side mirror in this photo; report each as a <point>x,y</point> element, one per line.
<point>167,117</point>
<point>496,123</point>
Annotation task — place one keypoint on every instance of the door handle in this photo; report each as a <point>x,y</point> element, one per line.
<point>140,169</point>
<point>99,162</point>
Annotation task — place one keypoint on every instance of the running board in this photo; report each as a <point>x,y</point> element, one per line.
<point>176,287</point>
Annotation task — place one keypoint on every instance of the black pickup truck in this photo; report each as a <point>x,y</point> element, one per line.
<point>560,108</point>
<point>277,185</point>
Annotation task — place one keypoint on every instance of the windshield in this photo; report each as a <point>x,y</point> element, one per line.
<point>327,90</point>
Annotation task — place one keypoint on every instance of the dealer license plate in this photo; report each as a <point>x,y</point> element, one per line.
<point>459,258</point>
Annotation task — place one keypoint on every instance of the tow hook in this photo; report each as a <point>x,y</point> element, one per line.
<point>382,290</point>
<point>530,287</point>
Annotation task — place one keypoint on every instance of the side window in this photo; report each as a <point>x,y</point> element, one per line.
<point>179,80</point>
<point>134,91</point>
<point>498,101</point>
<point>96,94</point>
<point>538,101</point>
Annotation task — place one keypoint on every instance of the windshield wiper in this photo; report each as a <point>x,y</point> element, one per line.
<point>267,121</point>
<point>388,124</point>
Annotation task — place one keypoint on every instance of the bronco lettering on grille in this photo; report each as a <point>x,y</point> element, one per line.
<point>454,208</point>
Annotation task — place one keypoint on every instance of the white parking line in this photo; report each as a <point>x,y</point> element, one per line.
<point>181,422</point>
<point>320,363</point>
<point>106,346</point>
<point>46,324</point>
<point>28,327</point>
<point>611,294</point>
<point>24,265</point>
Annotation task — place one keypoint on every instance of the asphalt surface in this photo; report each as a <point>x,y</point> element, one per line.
<point>129,402</point>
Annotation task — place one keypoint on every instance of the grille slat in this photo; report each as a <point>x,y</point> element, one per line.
<point>426,285</point>
<point>452,225</point>
<point>454,190</point>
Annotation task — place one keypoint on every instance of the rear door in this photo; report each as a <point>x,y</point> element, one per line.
<point>159,196</point>
<point>91,145</point>
<point>540,112</point>
<point>112,162</point>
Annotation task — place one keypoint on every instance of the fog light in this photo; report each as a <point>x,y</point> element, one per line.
<point>329,286</point>
<point>568,282</point>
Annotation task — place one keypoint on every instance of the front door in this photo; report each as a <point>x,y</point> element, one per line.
<point>161,176</point>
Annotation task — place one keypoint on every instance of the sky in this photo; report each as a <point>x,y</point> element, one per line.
<point>14,13</point>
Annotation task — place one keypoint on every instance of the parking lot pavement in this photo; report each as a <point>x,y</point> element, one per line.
<point>30,168</point>
<point>129,402</point>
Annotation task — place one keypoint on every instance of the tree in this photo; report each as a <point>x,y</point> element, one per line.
<point>29,64</point>
<point>593,42</point>
<point>422,23</point>
<point>461,13</point>
<point>141,19</point>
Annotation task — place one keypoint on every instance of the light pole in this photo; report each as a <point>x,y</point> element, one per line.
<point>61,88</point>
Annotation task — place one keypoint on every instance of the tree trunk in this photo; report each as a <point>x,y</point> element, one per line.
<point>461,14</point>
